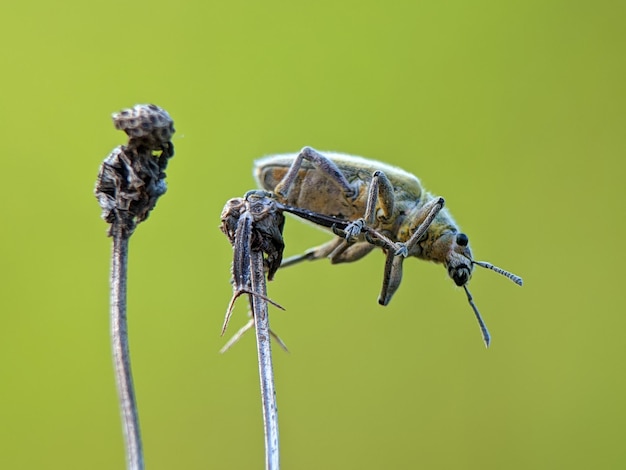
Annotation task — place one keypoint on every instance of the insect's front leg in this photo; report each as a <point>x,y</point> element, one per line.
<point>391,277</point>
<point>380,192</point>
<point>425,218</point>
<point>393,265</point>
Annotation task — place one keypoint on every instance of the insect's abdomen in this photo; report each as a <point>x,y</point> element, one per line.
<point>315,191</point>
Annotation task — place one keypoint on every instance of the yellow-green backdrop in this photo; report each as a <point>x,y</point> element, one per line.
<point>513,111</point>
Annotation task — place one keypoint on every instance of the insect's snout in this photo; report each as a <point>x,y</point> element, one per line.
<point>459,262</point>
<point>460,274</point>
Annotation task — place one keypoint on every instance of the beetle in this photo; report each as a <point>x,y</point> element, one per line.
<point>370,204</point>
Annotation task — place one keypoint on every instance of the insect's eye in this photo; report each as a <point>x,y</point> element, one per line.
<point>461,239</point>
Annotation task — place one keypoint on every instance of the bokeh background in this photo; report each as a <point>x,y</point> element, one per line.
<point>513,111</point>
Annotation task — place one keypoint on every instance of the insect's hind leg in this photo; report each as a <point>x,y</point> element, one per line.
<point>318,252</point>
<point>337,250</point>
<point>320,162</point>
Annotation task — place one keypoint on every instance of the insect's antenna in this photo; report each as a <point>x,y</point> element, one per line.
<point>483,264</point>
<point>481,323</point>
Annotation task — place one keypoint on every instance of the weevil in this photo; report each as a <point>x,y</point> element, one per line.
<point>370,204</point>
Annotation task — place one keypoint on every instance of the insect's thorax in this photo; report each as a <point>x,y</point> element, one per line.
<point>436,244</point>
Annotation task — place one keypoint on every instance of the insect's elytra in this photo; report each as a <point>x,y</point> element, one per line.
<point>371,204</point>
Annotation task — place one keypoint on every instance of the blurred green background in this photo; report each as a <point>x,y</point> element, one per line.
<point>513,111</point>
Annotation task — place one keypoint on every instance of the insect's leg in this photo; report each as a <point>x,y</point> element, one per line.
<point>391,277</point>
<point>337,250</point>
<point>349,252</point>
<point>380,192</point>
<point>393,264</point>
<point>428,213</point>
<point>318,252</point>
<point>320,162</point>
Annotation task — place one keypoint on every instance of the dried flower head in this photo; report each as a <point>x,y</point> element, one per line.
<point>132,177</point>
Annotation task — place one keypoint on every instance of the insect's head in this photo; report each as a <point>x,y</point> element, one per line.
<point>459,258</point>
<point>459,263</point>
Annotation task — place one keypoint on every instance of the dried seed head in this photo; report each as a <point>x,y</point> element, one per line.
<point>132,177</point>
<point>253,223</point>
<point>146,122</point>
<point>266,227</point>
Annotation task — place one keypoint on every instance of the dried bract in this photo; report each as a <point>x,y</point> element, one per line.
<point>252,223</point>
<point>261,221</point>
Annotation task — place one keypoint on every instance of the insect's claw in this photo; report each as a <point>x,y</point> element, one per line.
<point>338,231</point>
<point>402,250</point>
<point>343,234</point>
<point>354,229</point>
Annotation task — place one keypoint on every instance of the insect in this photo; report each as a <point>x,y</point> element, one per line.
<point>370,204</point>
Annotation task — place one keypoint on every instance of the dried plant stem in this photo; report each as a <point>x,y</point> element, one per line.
<point>121,355</point>
<point>254,226</point>
<point>266,371</point>
<point>130,181</point>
